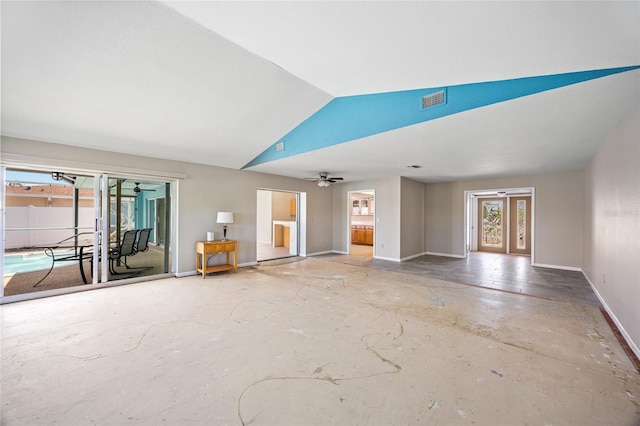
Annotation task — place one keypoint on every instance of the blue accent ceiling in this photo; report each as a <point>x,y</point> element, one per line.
<point>353,117</point>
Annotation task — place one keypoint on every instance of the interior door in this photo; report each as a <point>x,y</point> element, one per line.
<point>520,225</point>
<point>492,225</point>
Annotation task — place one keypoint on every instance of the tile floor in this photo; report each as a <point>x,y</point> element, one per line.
<point>497,271</point>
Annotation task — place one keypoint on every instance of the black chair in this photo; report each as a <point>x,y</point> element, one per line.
<point>126,248</point>
<point>142,244</point>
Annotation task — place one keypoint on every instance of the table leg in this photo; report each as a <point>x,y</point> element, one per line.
<point>48,251</point>
<point>84,278</point>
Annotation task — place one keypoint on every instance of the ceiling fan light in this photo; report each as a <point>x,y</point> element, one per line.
<point>323,183</point>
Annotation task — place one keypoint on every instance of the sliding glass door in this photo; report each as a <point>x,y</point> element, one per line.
<point>64,229</point>
<point>138,206</point>
<point>50,230</point>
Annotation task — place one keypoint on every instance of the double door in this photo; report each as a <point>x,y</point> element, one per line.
<point>504,225</point>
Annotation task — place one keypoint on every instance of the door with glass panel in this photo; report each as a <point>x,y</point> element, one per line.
<point>492,235</point>
<point>520,225</point>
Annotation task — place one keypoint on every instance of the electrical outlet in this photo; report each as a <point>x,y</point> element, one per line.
<point>604,279</point>
<point>381,245</point>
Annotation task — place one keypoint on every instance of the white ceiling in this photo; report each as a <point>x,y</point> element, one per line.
<point>219,82</point>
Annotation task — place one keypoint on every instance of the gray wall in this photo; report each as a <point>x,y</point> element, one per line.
<point>412,218</point>
<point>440,219</point>
<point>559,212</point>
<point>205,191</point>
<point>387,215</point>
<point>612,226</point>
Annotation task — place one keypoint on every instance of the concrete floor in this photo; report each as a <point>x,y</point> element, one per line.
<point>311,342</point>
<point>265,251</point>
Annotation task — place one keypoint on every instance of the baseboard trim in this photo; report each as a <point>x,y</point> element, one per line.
<point>391,259</point>
<point>413,256</point>
<point>432,253</point>
<point>564,268</point>
<point>627,342</point>
<point>327,252</point>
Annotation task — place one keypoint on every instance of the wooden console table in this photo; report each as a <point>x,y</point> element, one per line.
<point>206,248</point>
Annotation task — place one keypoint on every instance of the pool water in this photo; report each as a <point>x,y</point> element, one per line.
<point>17,263</point>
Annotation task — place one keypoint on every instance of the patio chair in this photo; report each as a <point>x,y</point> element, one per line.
<point>142,244</point>
<point>124,250</point>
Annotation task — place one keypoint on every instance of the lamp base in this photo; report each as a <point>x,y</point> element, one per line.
<point>224,233</point>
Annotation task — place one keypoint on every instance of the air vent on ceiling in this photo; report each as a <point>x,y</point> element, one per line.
<point>433,99</point>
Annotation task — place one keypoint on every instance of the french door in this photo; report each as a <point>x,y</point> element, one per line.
<point>492,225</point>
<point>504,225</point>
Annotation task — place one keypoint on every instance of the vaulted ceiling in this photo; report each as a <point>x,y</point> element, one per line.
<point>296,88</point>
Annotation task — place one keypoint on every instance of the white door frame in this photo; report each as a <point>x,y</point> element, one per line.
<point>301,218</point>
<point>349,215</point>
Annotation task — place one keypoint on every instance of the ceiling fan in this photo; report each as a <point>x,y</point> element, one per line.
<point>137,189</point>
<point>324,179</point>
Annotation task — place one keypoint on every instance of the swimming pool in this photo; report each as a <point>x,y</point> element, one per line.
<point>17,263</point>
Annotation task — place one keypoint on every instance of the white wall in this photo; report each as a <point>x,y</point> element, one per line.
<point>43,217</point>
<point>205,191</point>
<point>263,221</point>
<point>559,212</point>
<point>612,226</point>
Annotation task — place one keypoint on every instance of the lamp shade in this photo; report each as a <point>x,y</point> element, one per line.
<point>225,217</point>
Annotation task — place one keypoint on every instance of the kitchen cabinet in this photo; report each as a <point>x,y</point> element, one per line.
<point>292,208</point>
<point>363,207</point>
<point>285,234</point>
<point>362,234</point>
<point>368,235</point>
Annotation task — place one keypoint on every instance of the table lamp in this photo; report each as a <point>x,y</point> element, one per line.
<point>225,218</point>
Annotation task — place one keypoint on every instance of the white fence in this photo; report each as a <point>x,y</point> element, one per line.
<point>40,226</point>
